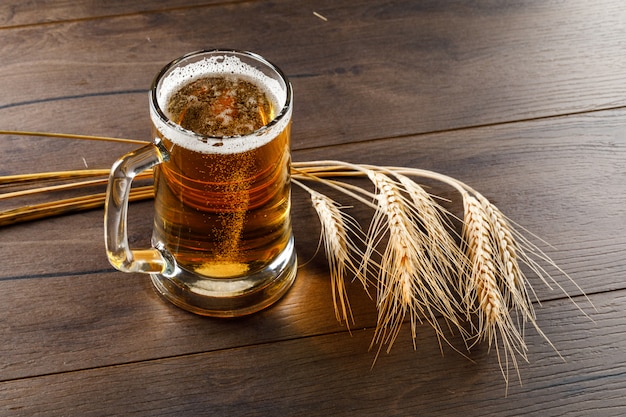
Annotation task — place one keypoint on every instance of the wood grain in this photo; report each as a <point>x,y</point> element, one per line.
<point>437,65</point>
<point>524,101</point>
<point>292,378</point>
<point>18,14</point>
<point>66,323</point>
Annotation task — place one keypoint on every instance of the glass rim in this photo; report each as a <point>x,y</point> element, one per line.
<point>285,111</point>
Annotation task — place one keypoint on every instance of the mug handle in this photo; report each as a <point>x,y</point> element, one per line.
<point>149,261</point>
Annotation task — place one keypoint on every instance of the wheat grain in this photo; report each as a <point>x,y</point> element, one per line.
<point>408,280</point>
<point>514,282</point>
<point>334,237</point>
<point>483,293</point>
<point>429,215</point>
<point>338,247</point>
<point>480,285</point>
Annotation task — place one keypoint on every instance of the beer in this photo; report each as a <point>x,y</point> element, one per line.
<point>221,243</point>
<point>222,196</point>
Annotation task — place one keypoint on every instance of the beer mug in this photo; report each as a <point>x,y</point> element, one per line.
<point>222,243</point>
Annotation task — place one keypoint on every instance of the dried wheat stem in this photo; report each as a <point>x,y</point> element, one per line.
<point>348,189</point>
<point>71,136</point>
<point>71,205</point>
<point>19,179</point>
<point>62,187</point>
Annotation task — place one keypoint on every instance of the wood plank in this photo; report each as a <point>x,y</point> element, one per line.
<point>331,375</point>
<point>20,13</point>
<point>528,102</point>
<point>441,66</point>
<point>59,323</point>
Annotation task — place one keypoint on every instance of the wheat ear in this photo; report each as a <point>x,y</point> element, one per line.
<point>341,251</point>
<point>483,290</point>
<point>410,280</point>
<point>432,218</point>
<point>514,283</point>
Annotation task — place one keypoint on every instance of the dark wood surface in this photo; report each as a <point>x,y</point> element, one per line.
<point>523,100</point>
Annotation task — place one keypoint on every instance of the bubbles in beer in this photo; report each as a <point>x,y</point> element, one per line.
<point>222,195</point>
<point>220,106</point>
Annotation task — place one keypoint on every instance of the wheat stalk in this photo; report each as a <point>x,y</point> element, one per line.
<point>67,205</point>
<point>341,251</point>
<point>71,136</point>
<point>491,284</point>
<point>483,290</point>
<point>12,180</point>
<point>412,279</point>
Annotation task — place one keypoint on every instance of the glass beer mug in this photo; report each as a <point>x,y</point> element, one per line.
<point>222,243</point>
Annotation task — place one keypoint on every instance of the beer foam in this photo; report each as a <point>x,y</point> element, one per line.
<point>219,65</point>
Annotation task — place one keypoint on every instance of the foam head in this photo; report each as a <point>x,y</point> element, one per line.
<point>216,64</point>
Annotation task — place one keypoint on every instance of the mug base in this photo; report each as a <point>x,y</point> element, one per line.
<point>230,297</point>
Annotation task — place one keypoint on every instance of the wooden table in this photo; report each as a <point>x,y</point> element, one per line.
<point>523,100</point>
